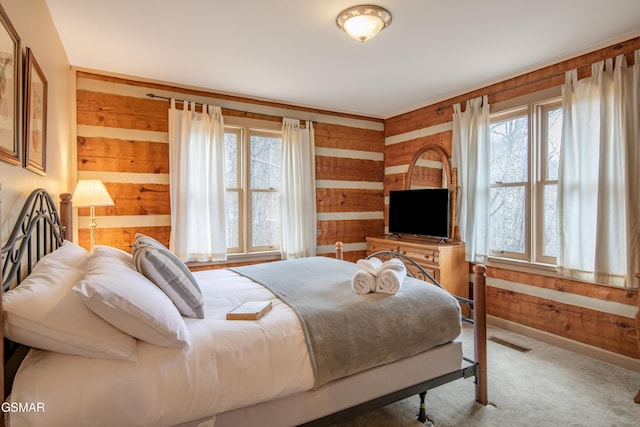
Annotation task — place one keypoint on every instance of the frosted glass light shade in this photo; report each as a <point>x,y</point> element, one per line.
<point>363,22</point>
<point>91,192</point>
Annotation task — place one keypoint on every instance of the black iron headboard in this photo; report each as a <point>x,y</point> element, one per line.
<point>37,232</point>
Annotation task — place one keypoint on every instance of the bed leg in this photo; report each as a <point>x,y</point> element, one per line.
<point>480,331</point>
<point>422,414</point>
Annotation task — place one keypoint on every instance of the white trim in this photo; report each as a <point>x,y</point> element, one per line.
<point>141,92</point>
<point>568,344</point>
<point>433,164</point>
<point>349,216</point>
<point>360,185</point>
<point>400,169</point>
<point>127,221</point>
<point>418,133</point>
<point>126,177</point>
<point>349,154</point>
<point>89,131</point>
<point>390,170</point>
<point>582,301</point>
<point>240,257</point>
<point>347,247</point>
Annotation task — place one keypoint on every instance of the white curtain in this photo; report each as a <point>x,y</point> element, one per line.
<point>297,190</point>
<point>599,179</point>
<point>470,154</point>
<point>196,161</point>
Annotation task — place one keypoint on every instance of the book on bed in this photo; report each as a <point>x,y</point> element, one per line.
<point>250,310</point>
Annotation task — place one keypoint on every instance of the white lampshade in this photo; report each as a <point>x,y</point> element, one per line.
<point>363,22</point>
<point>91,192</point>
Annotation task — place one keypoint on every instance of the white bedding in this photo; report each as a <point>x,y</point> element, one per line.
<point>230,364</point>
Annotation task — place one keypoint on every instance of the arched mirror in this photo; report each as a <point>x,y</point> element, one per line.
<point>430,168</point>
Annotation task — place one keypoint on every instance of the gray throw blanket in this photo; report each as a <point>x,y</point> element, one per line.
<point>348,333</point>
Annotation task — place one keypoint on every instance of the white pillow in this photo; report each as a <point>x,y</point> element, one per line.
<point>115,291</point>
<point>170,274</point>
<point>69,254</point>
<point>42,312</point>
<point>119,255</point>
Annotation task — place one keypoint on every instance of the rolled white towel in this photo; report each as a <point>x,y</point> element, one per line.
<point>364,280</point>
<point>390,277</point>
<point>392,264</point>
<point>369,265</point>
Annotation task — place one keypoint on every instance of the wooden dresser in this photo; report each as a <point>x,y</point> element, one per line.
<point>444,261</point>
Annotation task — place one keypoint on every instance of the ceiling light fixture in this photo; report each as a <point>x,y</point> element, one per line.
<point>363,22</point>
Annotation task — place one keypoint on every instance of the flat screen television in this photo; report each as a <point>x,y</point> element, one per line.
<point>423,212</point>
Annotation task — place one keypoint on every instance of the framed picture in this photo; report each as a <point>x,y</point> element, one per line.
<point>35,129</point>
<point>10,86</point>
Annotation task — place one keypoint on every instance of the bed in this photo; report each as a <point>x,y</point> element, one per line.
<point>277,371</point>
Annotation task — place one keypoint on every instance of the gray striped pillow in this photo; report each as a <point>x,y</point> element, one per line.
<point>170,274</point>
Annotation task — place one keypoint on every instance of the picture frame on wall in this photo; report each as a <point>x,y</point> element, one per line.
<point>10,95</point>
<point>35,129</point>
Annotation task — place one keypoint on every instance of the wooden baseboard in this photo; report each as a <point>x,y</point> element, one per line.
<point>575,346</point>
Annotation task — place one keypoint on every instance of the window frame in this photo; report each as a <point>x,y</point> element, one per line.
<point>535,107</point>
<point>250,191</point>
<point>513,113</point>
<point>239,189</point>
<point>244,128</point>
<point>541,178</point>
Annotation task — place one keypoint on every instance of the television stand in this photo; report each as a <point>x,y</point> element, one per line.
<point>445,261</point>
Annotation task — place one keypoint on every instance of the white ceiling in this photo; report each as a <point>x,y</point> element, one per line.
<point>291,51</point>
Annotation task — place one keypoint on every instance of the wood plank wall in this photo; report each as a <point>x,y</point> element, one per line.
<point>591,314</point>
<point>122,140</point>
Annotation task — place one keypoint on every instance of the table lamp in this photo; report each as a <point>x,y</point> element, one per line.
<point>91,193</point>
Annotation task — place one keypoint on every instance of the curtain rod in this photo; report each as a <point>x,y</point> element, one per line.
<point>616,47</point>
<point>153,95</point>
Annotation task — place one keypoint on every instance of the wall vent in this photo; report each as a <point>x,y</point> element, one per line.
<point>509,344</point>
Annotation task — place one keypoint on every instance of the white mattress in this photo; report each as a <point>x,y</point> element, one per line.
<point>165,387</point>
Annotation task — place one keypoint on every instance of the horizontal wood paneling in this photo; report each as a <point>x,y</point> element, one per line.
<point>394,182</point>
<point>603,330</point>
<point>118,155</point>
<point>347,231</point>
<point>211,94</point>
<point>335,168</point>
<point>104,109</point>
<point>335,136</point>
<point>134,199</point>
<point>349,200</point>
<point>403,153</point>
<point>122,238</point>
<point>601,292</point>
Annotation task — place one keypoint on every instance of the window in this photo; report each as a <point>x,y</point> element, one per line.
<point>525,154</point>
<point>252,174</point>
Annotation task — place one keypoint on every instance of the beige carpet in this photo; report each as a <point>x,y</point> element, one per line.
<point>546,386</point>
